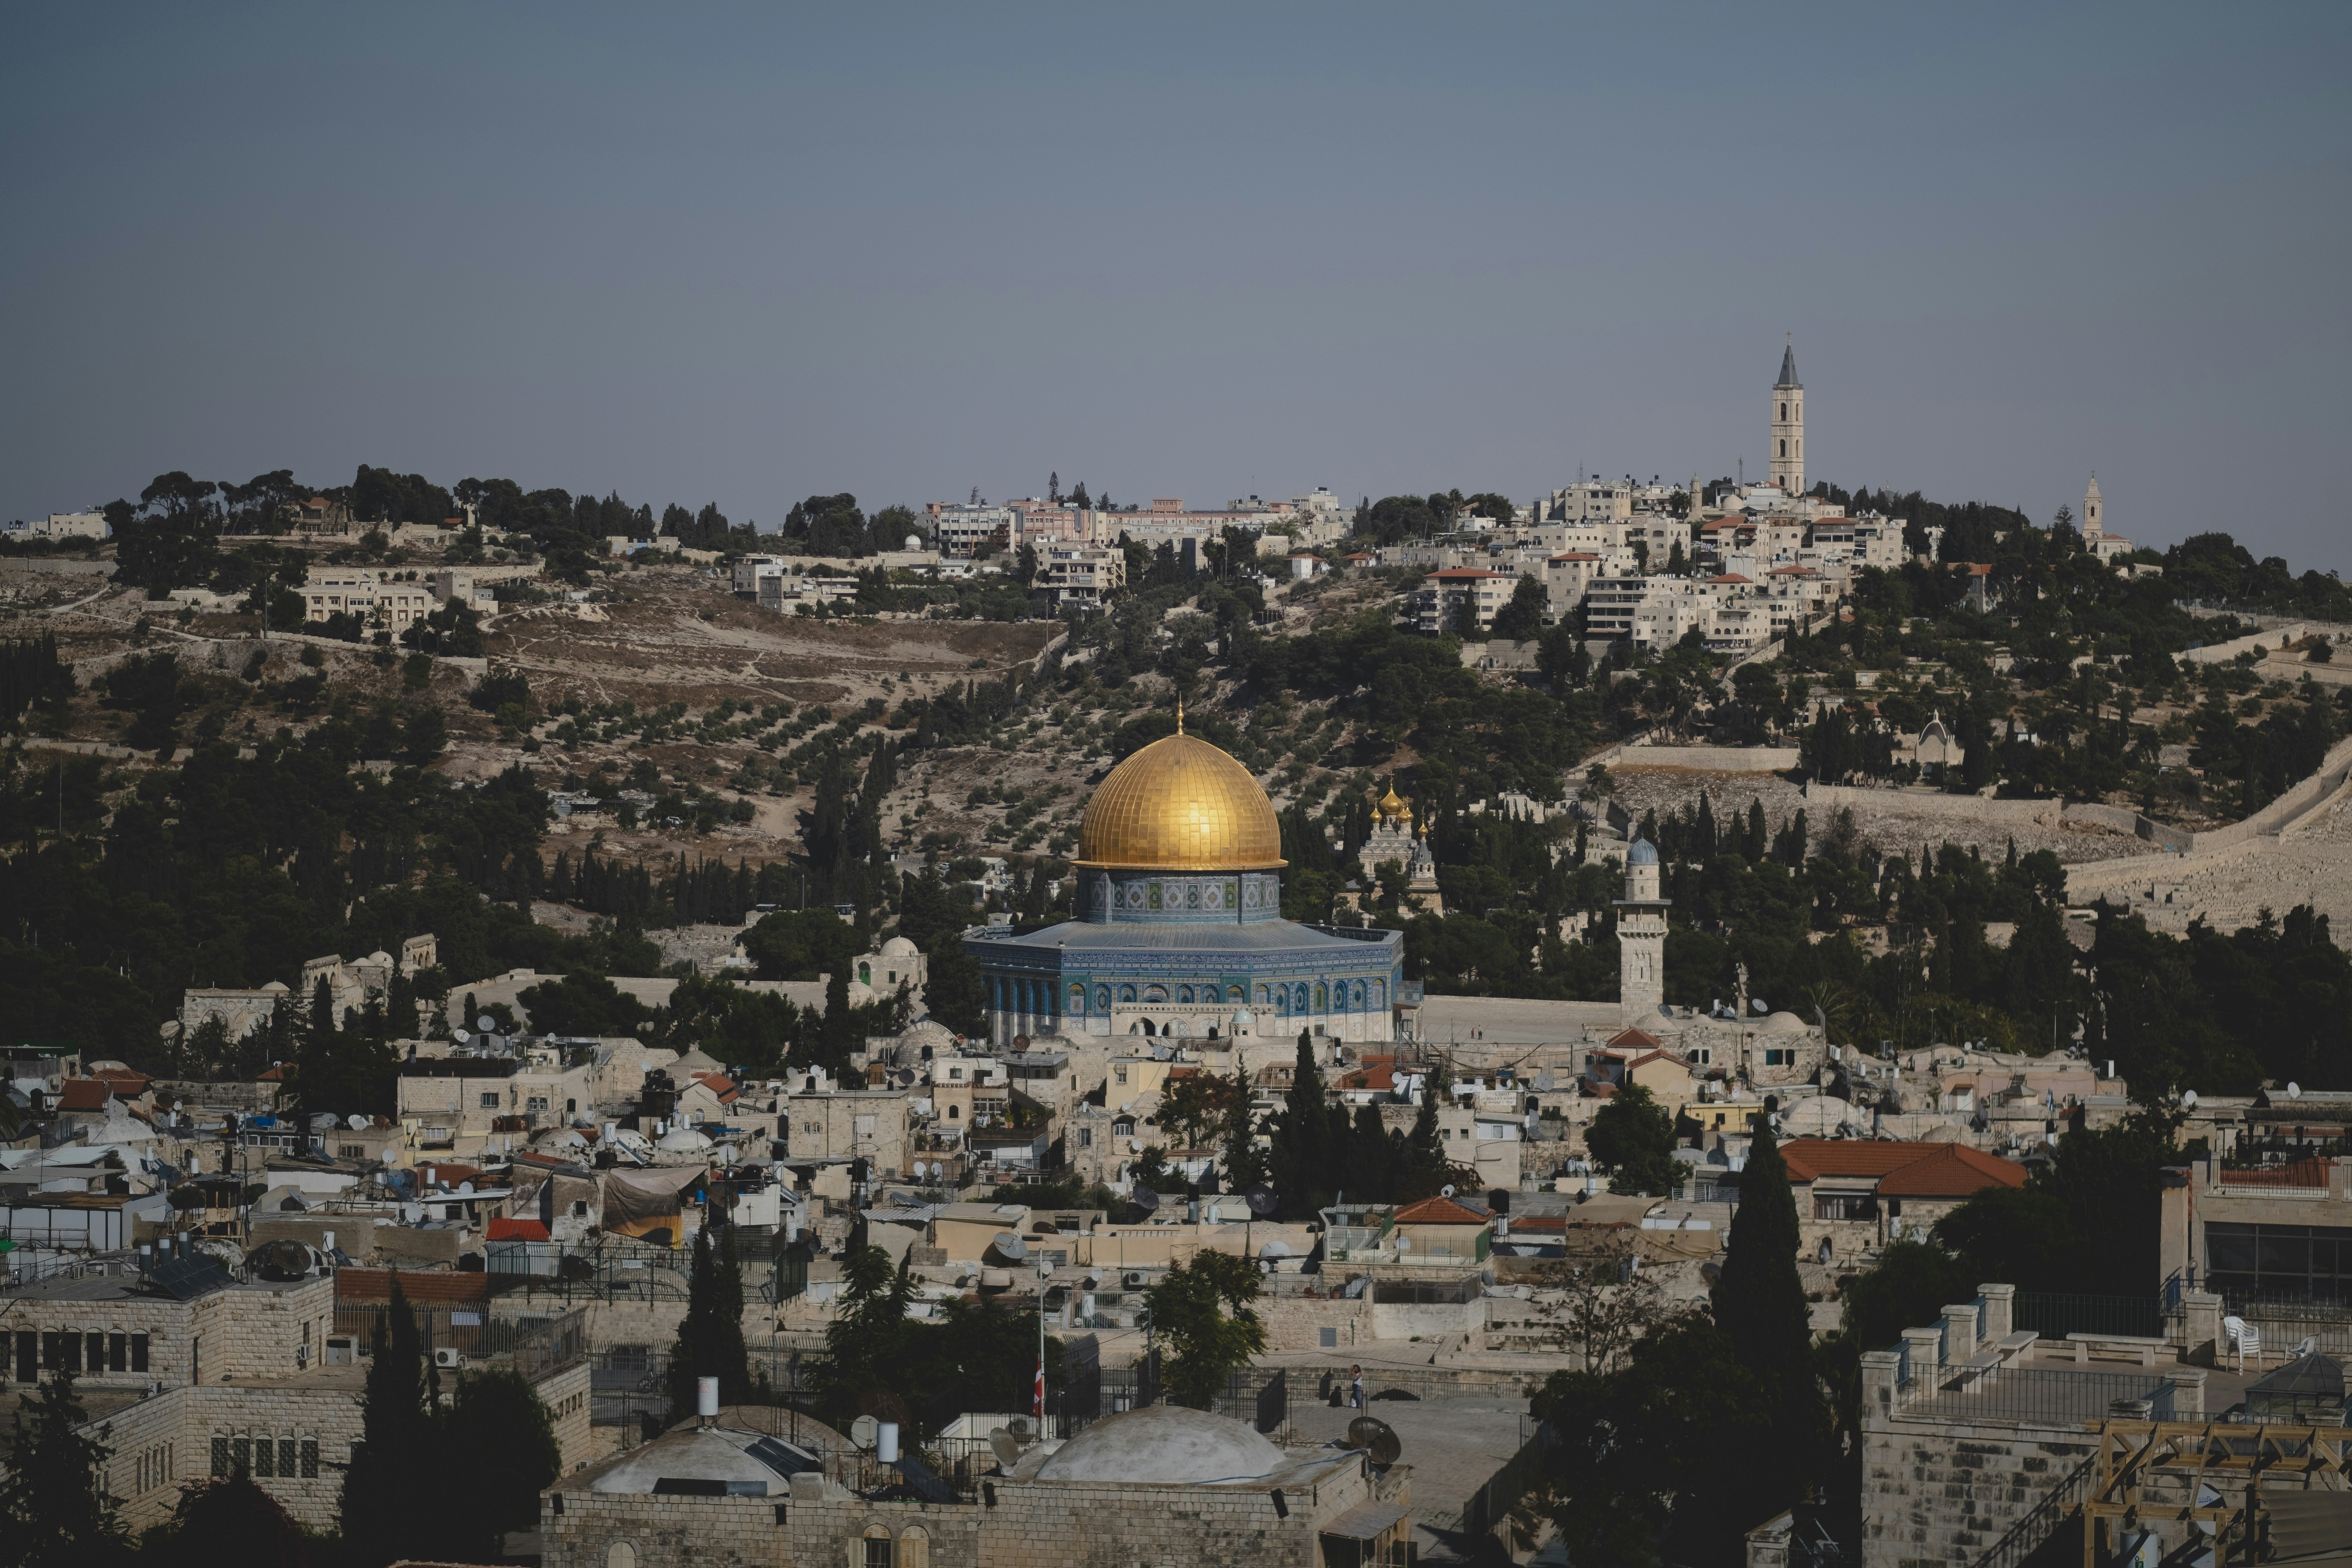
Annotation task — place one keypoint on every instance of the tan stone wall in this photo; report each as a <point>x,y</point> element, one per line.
<point>1936,1494</point>
<point>241,1332</point>
<point>162,1442</point>
<point>1032,1525</point>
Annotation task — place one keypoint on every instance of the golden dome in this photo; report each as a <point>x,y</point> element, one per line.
<point>1180,804</point>
<point>1389,804</point>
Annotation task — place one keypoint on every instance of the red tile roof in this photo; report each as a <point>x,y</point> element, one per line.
<point>517,1230</point>
<point>1439,1211</point>
<point>415,1284</point>
<point>1904,1170</point>
<point>128,1082</point>
<point>85,1094</point>
<point>1633,1040</point>
<point>1729,577</point>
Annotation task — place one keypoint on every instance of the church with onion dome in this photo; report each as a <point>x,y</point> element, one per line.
<point>1179,931</point>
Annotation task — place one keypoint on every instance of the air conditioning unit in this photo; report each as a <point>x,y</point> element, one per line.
<point>447,1359</point>
<point>1132,1279</point>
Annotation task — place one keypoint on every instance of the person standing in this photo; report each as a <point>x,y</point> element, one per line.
<point>1355,1387</point>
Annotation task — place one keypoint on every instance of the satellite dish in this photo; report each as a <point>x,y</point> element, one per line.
<point>461,1036</point>
<point>1758,1003</point>
<point>1144,1198</point>
<point>2189,1099</point>
<point>1262,1200</point>
<point>1005,1446</point>
<point>2294,1091</point>
<point>863,1431</point>
<point>1543,1081</point>
<point>358,1124</point>
<point>1376,1437</point>
<point>1009,1246</point>
<point>1277,1248</point>
<point>1446,1191</point>
<point>485,1023</point>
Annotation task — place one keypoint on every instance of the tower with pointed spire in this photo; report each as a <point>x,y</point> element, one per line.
<point>1789,425</point>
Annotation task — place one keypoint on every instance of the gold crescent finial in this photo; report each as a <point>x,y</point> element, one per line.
<point>1180,715</point>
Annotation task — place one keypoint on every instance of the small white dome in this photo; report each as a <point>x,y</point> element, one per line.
<point>1163,1445</point>
<point>900,947</point>
<point>1784,1024</point>
<point>683,1141</point>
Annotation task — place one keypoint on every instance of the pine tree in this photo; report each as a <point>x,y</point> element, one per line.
<point>53,1504</point>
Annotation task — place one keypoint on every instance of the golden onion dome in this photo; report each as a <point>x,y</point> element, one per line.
<point>1180,804</point>
<point>1389,804</point>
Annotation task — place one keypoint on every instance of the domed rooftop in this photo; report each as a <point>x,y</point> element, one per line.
<point>1644,852</point>
<point>1784,1024</point>
<point>1165,1445</point>
<point>746,1462</point>
<point>1180,804</point>
<point>900,947</point>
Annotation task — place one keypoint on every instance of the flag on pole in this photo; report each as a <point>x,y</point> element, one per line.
<point>1041,1391</point>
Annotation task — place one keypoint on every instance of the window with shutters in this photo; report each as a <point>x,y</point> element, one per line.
<point>264,1457</point>
<point>220,1456</point>
<point>310,1458</point>
<point>139,1352</point>
<point>240,1454</point>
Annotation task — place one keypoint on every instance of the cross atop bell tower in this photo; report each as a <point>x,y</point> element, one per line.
<point>1787,448</point>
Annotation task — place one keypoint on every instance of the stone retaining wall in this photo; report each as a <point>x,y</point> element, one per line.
<point>1711,759</point>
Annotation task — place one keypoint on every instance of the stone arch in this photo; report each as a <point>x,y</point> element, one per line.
<point>621,1554</point>
<point>866,974</point>
<point>1127,993</point>
<point>914,1547</point>
<point>1155,994</point>
<point>864,1552</point>
<point>1184,995</point>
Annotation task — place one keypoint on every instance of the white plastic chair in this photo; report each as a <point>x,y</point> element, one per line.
<point>2244,1337</point>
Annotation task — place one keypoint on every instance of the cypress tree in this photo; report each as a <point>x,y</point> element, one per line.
<point>1302,1137</point>
<point>1760,1305</point>
<point>1758,1299</point>
<point>710,1336</point>
<point>381,1521</point>
<point>1245,1165</point>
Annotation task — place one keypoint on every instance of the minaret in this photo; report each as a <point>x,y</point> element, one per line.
<point>1788,425</point>
<point>1640,936</point>
<point>2095,515</point>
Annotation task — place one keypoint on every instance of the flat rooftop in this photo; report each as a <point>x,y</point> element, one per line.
<point>1455,1446</point>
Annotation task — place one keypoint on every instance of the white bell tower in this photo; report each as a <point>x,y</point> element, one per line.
<point>1788,425</point>
<point>2095,514</point>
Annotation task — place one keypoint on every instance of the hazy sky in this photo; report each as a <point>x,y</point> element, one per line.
<point>745,254</point>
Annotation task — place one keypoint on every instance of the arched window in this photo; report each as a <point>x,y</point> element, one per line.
<point>620,1554</point>
<point>1262,1000</point>
<point>1155,994</point>
<point>1148,1028</point>
<point>1784,449</point>
<point>1127,993</point>
<point>877,1549</point>
<point>955,1113</point>
<point>1236,994</point>
<point>866,974</point>
<point>1078,997</point>
<point>1322,997</point>
<point>1784,413</point>
<point>1184,995</point>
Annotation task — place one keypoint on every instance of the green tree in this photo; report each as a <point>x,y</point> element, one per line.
<point>1245,1162</point>
<point>53,1504</point>
<point>427,733</point>
<point>865,1343</point>
<point>1302,1138</point>
<point>1201,1309</point>
<point>500,1436</point>
<point>710,1336</point>
<point>1521,620</point>
<point>1760,1303</point>
<point>380,1518</point>
<point>1633,1135</point>
<point>229,1518</point>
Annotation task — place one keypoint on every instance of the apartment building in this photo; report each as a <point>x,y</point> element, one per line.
<point>392,599</point>
<point>1439,605</point>
<point>964,532</point>
<point>828,1125</point>
<point>1083,574</point>
<point>1587,500</point>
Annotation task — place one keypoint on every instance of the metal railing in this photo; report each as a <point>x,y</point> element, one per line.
<point>2293,1173</point>
<point>2042,1520</point>
<point>2054,1315</point>
<point>2034,1396</point>
<point>1486,1507</point>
